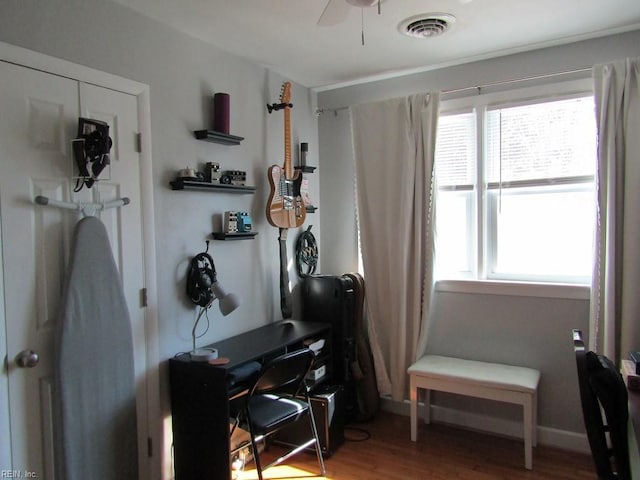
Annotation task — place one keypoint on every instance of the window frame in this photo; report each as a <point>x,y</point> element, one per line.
<point>480,244</point>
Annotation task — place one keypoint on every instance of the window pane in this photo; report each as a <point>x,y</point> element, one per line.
<point>522,206</point>
<point>454,236</point>
<point>456,150</point>
<point>545,140</point>
<point>543,233</point>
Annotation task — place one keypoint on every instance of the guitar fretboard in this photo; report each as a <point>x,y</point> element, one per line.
<point>288,168</point>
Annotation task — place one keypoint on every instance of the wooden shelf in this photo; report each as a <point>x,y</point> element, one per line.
<point>180,184</point>
<point>234,236</point>
<point>217,137</point>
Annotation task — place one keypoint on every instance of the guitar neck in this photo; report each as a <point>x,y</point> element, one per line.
<point>288,167</point>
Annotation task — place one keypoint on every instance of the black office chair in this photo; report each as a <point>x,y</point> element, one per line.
<point>602,389</point>
<point>279,396</point>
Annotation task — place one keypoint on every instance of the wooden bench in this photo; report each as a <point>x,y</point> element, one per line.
<point>493,381</point>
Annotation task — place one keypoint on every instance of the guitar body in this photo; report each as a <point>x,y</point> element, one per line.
<point>285,207</point>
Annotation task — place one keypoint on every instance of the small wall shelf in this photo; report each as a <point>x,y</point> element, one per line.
<point>310,208</point>
<point>305,168</point>
<point>234,235</point>
<point>180,184</point>
<point>217,137</point>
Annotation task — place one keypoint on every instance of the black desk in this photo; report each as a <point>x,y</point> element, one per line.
<point>200,394</point>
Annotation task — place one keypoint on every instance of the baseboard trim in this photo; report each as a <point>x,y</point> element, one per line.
<point>563,439</point>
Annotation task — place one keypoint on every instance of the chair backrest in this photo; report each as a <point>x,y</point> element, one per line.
<point>602,388</point>
<point>284,374</point>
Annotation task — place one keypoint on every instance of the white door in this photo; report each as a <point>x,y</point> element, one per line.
<point>39,117</point>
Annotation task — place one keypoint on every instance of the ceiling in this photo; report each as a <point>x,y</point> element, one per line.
<point>284,35</point>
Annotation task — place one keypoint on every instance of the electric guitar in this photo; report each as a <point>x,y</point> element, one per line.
<point>285,206</point>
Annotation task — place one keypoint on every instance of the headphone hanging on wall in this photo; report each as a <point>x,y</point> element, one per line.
<point>202,274</point>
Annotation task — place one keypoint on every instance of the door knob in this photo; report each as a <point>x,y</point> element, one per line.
<point>27,359</point>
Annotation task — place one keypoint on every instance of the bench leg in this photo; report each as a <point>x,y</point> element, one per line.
<point>413,397</point>
<point>529,428</point>
<point>427,406</point>
<point>535,419</point>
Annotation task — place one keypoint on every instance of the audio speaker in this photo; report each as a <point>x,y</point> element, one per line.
<point>328,411</point>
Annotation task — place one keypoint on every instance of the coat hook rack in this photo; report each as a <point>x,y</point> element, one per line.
<point>86,209</point>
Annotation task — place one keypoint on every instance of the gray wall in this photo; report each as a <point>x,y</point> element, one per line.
<point>529,331</point>
<point>183,74</point>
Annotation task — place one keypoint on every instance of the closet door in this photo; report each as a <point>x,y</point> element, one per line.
<point>39,117</point>
<point>36,125</point>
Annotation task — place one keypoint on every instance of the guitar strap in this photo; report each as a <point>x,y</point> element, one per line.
<point>285,293</point>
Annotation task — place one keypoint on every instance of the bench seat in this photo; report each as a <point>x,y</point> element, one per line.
<point>494,381</point>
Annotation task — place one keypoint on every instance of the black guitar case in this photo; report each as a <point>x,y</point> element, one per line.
<point>329,298</point>
<point>338,299</point>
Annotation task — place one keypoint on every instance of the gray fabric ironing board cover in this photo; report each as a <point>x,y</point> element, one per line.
<point>95,401</point>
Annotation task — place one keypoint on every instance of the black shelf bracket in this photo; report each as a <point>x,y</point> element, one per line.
<point>217,137</point>
<point>234,235</point>
<point>181,184</point>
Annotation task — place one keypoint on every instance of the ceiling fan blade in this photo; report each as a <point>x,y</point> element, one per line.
<point>334,13</point>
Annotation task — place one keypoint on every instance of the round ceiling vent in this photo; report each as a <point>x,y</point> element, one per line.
<point>426,25</point>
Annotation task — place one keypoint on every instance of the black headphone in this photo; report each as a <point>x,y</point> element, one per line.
<point>202,274</point>
<point>94,151</point>
<point>97,146</point>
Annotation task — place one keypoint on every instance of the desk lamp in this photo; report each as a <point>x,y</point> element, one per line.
<point>203,288</point>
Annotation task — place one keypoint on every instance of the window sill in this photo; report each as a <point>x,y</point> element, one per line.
<point>518,289</point>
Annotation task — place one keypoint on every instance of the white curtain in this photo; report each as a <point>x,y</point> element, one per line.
<point>615,293</point>
<point>394,144</point>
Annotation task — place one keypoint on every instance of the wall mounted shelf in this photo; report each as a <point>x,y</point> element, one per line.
<point>181,184</point>
<point>234,235</point>
<point>310,208</point>
<point>217,137</point>
<point>305,168</point>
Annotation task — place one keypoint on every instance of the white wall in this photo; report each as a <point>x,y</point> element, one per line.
<point>183,74</point>
<point>523,330</point>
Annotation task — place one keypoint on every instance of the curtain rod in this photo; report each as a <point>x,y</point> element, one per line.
<point>478,88</point>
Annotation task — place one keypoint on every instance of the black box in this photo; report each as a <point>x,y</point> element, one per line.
<point>328,411</point>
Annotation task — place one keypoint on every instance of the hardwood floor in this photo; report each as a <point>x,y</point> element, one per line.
<point>441,453</point>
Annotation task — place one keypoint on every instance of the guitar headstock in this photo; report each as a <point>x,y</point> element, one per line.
<point>285,92</point>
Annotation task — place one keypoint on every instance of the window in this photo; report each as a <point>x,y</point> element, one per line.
<point>516,194</point>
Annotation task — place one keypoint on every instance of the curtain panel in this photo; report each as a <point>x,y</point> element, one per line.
<point>394,147</point>
<point>615,303</point>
